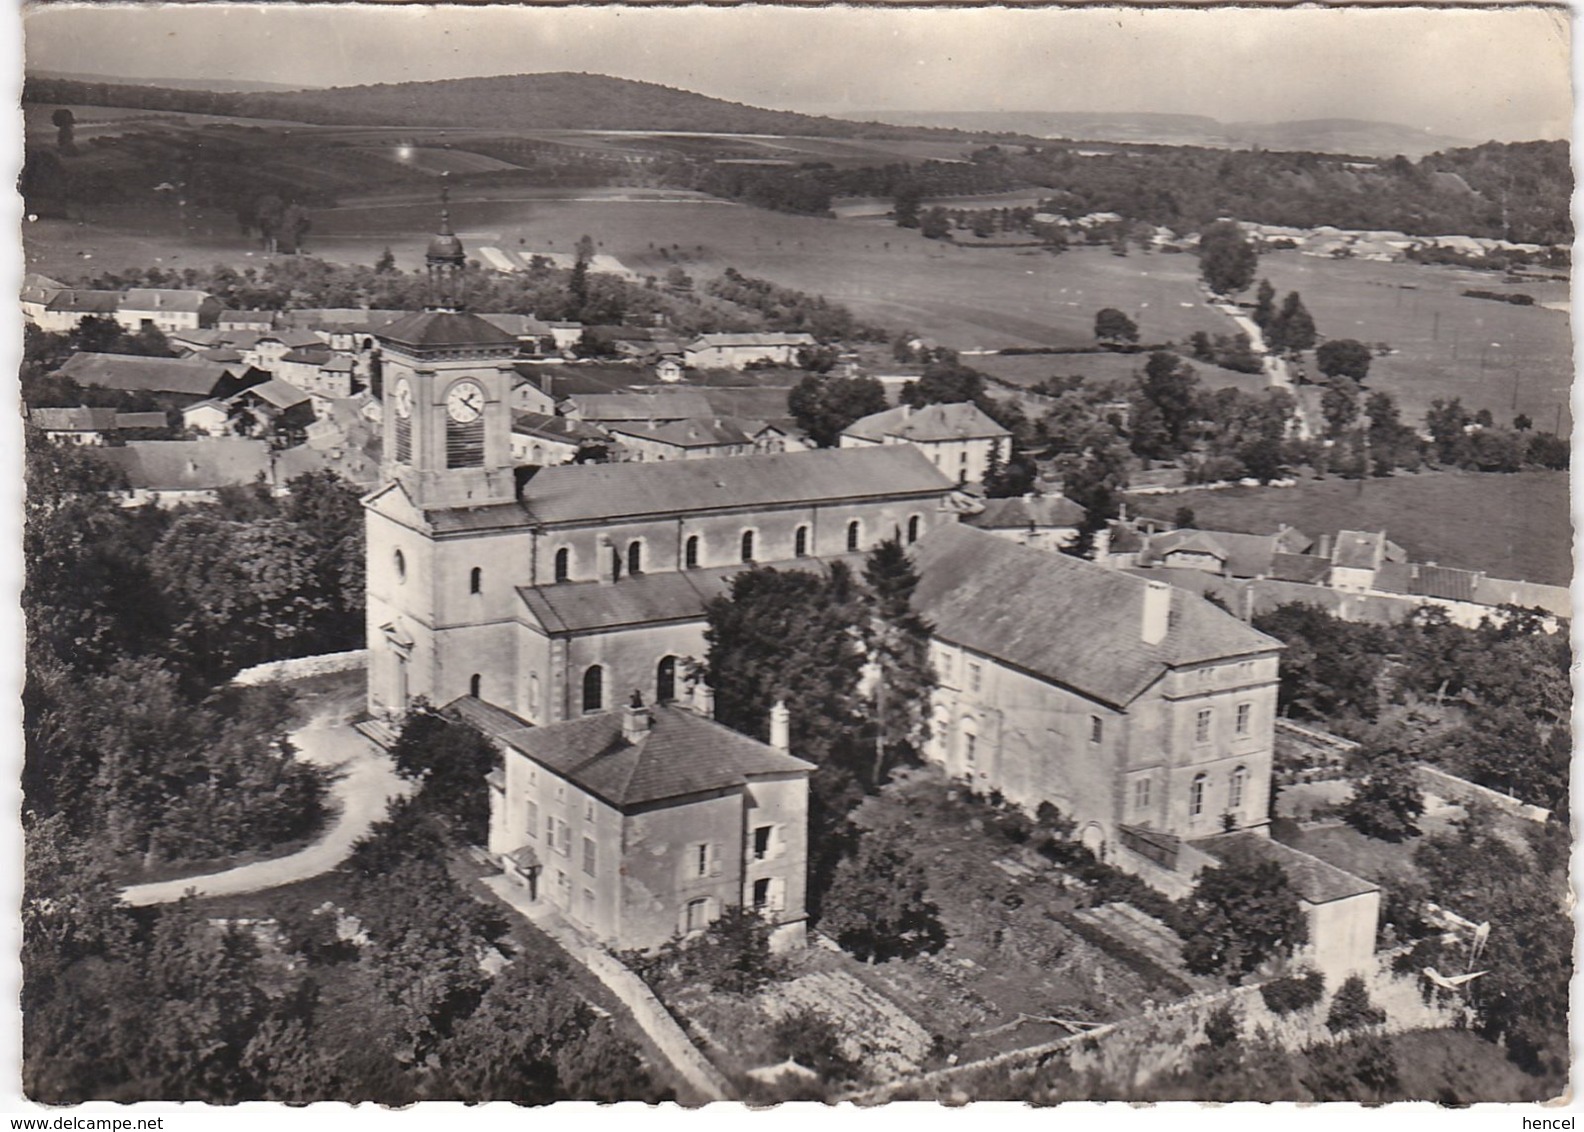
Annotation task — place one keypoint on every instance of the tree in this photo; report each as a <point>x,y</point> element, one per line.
<point>1339,404</point>
<point>1011,479</point>
<point>1170,385</point>
<point>448,758</point>
<point>898,642</point>
<point>1112,327</point>
<point>1447,422</point>
<point>1522,423</point>
<point>825,406</point>
<point>1185,519</point>
<point>65,123</point>
<point>1386,796</point>
<point>905,205</point>
<point>878,906</point>
<point>386,263</point>
<point>1351,1008</point>
<point>935,225</point>
<point>1292,331</point>
<point>1241,913</point>
<point>1344,357</point>
<point>1264,304</point>
<point>944,382</point>
<point>1329,668</point>
<point>1227,260</point>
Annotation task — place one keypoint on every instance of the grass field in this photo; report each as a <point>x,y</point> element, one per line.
<point>1030,369</point>
<point>1510,526</point>
<point>1497,356</point>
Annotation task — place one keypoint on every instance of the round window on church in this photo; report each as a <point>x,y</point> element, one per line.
<point>401,566</point>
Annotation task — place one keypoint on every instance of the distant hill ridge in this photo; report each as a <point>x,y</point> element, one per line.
<point>553,100</point>
<point>1317,135</point>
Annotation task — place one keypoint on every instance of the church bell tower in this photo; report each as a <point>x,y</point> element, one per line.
<point>447,392</point>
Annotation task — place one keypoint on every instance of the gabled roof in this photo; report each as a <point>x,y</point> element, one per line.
<point>439,330</point>
<point>84,302</point>
<point>1191,542</point>
<point>1315,881</point>
<point>1059,618</point>
<point>562,429</point>
<point>248,318</point>
<point>1311,569</point>
<point>1359,550</point>
<point>188,465</point>
<point>962,420</point>
<point>140,420</point>
<point>1445,582</point>
<point>290,337</point>
<point>281,394</point>
<point>578,607</point>
<point>166,299</point>
<point>1557,600</point>
<point>577,493</point>
<point>1243,555</point>
<point>1022,513</point>
<point>191,376</point>
<point>680,755</point>
<point>77,418</point>
<point>580,377</point>
<point>340,364</point>
<point>519,325</point>
<point>316,355</point>
<point>692,433</point>
<point>711,341</point>
<point>669,405</point>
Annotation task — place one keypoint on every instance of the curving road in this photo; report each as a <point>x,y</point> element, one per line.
<point>1276,370</point>
<point>365,780</point>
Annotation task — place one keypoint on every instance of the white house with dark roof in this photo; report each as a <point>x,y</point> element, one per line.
<point>643,823</point>
<point>1045,522</point>
<point>1128,704</point>
<point>958,438</point>
<point>739,351</point>
<point>167,309</point>
<point>543,438</point>
<point>61,311</point>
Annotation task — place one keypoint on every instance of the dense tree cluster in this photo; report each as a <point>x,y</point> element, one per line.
<point>784,309</point>
<point>135,615</point>
<point>1240,914</point>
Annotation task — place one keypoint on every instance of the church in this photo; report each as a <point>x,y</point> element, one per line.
<point>558,591</point>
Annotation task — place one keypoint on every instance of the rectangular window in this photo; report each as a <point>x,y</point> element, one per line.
<point>761,894</point>
<point>975,677</point>
<point>1141,794</point>
<point>697,914</point>
<point>1096,729</point>
<point>588,905</point>
<point>533,820</point>
<point>589,856</point>
<point>588,809</point>
<point>1202,726</point>
<point>1243,711</point>
<point>560,791</point>
<point>700,862</point>
<point>761,842</point>
<point>969,742</point>
<point>560,836</point>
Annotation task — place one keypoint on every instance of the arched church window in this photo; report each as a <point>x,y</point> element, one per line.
<point>913,528</point>
<point>854,534</point>
<point>800,543</point>
<point>665,680</point>
<point>563,564</point>
<point>635,557</point>
<point>401,566</point>
<point>593,688</point>
<point>475,685</point>
<point>476,581</point>
<point>747,546</point>
<point>690,555</point>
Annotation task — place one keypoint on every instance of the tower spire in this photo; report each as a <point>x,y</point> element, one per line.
<point>445,260</point>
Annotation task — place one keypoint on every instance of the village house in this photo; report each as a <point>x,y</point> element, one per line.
<point>259,322</point>
<point>167,309</point>
<point>175,381</point>
<point>1044,522</point>
<point>267,350</point>
<point>209,417</point>
<point>645,823</point>
<point>302,364</point>
<point>37,291</point>
<point>1222,552</point>
<point>80,425</point>
<point>1125,703</point>
<point>172,472</point>
<point>739,351</point>
<point>543,438</point>
<point>958,438</point>
<point>660,406</point>
<point>61,311</point>
<point>1357,556</point>
<point>274,409</point>
<point>686,440</point>
<point>669,369</point>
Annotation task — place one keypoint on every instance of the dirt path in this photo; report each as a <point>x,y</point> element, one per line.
<point>365,780</point>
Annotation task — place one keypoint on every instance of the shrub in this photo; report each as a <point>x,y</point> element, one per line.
<point>1223,1026</point>
<point>812,1040</point>
<point>1351,1008</point>
<point>1293,992</point>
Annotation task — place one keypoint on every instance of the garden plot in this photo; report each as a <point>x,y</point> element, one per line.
<point>876,1032</point>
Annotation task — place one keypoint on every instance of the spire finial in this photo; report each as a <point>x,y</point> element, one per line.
<point>445,202</point>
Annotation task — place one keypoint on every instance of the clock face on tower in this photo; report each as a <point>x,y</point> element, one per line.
<point>404,399</point>
<point>465,402</point>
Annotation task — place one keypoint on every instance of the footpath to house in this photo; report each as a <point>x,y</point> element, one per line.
<point>365,782</point>
<point>647,1010</point>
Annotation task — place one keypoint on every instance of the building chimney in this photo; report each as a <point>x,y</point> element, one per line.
<point>635,719</point>
<point>1157,612</point>
<point>704,699</point>
<point>780,727</point>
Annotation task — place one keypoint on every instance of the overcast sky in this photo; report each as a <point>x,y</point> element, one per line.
<point>1473,74</point>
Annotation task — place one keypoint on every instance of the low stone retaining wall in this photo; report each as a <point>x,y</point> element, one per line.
<point>1454,789</point>
<point>302,667</point>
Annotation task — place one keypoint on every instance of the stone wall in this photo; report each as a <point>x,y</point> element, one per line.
<point>300,668</point>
